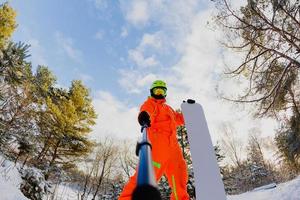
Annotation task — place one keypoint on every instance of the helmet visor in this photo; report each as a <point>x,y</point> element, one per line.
<point>160,91</point>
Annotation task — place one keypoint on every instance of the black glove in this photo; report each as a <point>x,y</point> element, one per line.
<point>144,118</point>
<point>190,101</point>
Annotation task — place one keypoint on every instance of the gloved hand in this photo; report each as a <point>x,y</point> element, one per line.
<point>144,118</point>
<point>190,101</point>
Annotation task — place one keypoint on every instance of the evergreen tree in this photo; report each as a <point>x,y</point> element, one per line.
<point>7,23</point>
<point>42,125</point>
<point>237,179</point>
<point>261,174</point>
<point>13,71</point>
<point>164,188</point>
<point>267,34</point>
<point>15,95</point>
<point>288,141</point>
<point>65,120</point>
<point>43,83</point>
<point>185,147</point>
<point>253,172</point>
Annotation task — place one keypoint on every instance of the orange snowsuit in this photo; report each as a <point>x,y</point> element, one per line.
<point>166,153</point>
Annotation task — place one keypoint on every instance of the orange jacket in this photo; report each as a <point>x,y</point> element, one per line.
<point>166,152</point>
<point>163,118</point>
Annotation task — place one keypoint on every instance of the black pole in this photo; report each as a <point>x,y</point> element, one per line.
<point>146,188</point>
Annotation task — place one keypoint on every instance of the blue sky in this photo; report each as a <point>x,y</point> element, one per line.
<point>119,47</point>
<point>88,40</point>
<point>77,40</point>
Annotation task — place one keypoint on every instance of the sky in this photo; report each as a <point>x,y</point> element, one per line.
<point>118,48</point>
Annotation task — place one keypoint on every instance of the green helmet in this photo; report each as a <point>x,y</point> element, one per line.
<point>158,83</point>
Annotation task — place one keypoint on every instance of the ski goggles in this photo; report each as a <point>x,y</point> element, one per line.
<point>160,91</point>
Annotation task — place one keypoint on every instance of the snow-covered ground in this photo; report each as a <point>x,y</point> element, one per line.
<point>66,193</point>
<point>10,182</point>
<point>284,191</point>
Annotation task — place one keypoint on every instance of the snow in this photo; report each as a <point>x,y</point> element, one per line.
<point>10,180</point>
<point>284,191</point>
<point>269,186</point>
<point>66,193</point>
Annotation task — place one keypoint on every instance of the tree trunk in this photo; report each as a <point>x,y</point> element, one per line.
<point>99,181</point>
<point>52,160</point>
<point>25,161</point>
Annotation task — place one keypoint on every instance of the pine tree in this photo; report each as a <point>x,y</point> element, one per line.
<point>43,83</point>
<point>65,122</point>
<point>7,23</point>
<point>41,125</point>
<point>15,96</point>
<point>260,172</point>
<point>288,141</point>
<point>185,147</point>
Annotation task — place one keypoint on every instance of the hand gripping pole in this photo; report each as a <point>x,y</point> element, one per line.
<point>146,185</point>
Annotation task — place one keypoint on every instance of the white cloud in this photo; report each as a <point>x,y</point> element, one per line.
<point>151,40</point>
<point>146,80</point>
<point>198,70</point>
<point>137,12</point>
<point>99,35</point>
<point>139,59</point>
<point>86,78</point>
<point>144,54</point>
<point>115,118</point>
<point>238,4</point>
<point>174,19</point>
<point>37,52</point>
<point>134,80</point>
<point>67,44</point>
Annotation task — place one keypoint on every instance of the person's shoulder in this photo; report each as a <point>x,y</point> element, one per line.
<point>148,101</point>
<point>170,107</point>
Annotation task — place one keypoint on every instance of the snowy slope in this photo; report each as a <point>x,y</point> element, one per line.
<point>66,193</point>
<point>284,191</point>
<point>9,182</point>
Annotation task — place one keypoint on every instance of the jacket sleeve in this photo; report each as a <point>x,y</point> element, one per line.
<point>148,107</point>
<point>179,118</point>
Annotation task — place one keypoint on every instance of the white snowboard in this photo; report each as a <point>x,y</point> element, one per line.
<point>208,181</point>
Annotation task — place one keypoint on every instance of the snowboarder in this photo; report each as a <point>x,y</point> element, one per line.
<point>167,157</point>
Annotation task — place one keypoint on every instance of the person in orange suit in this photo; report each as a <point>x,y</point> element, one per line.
<point>167,157</point>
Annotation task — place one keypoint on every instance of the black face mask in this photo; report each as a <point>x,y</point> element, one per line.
<point>156,96</point>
